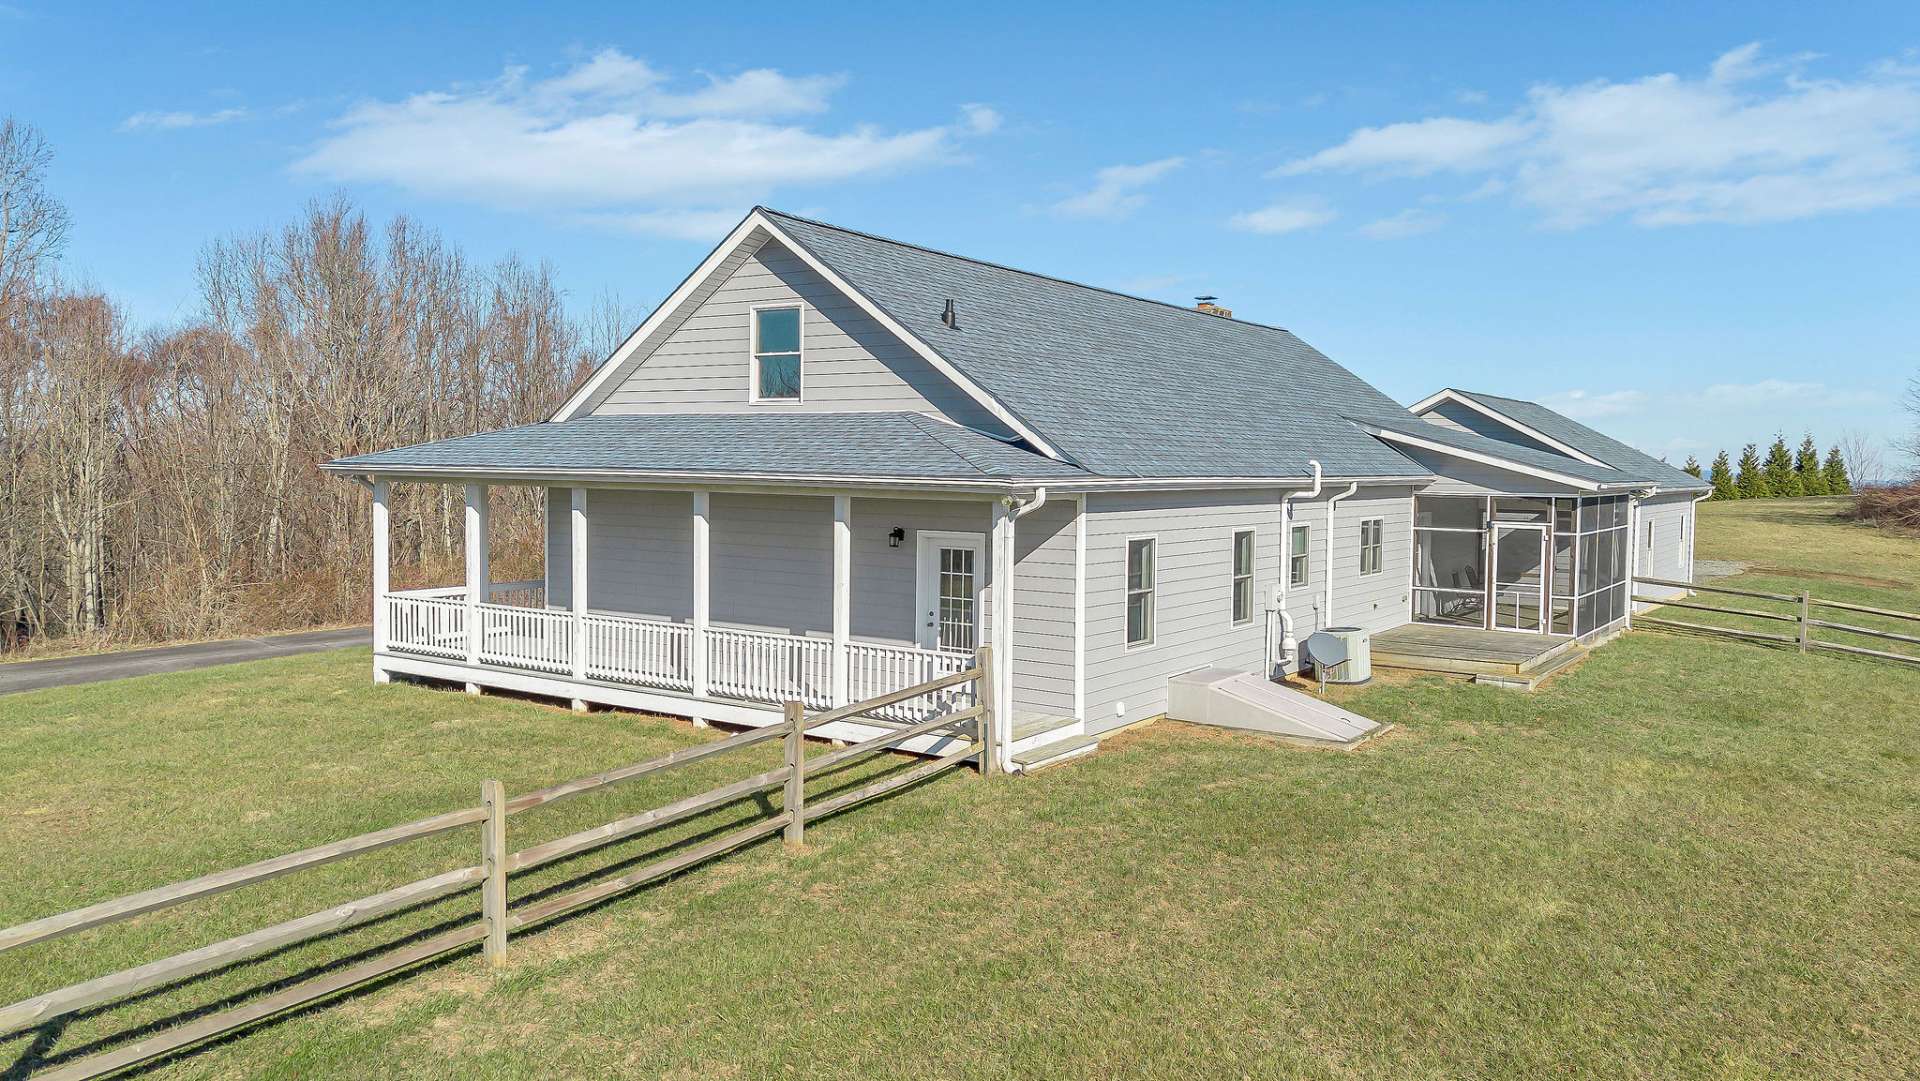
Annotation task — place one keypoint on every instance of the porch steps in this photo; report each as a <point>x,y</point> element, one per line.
<point>1532,676</point>
<point>1054,753</point>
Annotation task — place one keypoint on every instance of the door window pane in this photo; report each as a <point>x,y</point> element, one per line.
<point>956,599</point>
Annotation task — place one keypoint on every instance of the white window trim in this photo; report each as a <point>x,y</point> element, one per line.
<point>1380,565</point>
<point>1307,555</point>
<point>1234,576</point>
<point>1127,591</point>
<point>753,352</point>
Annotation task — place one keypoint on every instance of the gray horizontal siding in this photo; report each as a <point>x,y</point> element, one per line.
<point>1193,627</point>
<point>849,363</point>
<point>1043,614</point>
<point>1382,600</point>
<point>1672,519</point>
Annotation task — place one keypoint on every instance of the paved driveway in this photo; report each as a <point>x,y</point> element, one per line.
<point>64,671</point>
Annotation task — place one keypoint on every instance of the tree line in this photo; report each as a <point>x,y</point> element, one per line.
<point>161,483</point>
<point>1782,474</point>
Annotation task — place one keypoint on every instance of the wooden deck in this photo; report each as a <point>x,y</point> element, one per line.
<point>1428,647</point>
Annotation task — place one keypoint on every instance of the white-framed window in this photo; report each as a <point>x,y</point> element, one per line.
<point>1650,525</point>
<point>1297,546</point>
<point>1373,533</point>
<point>1243,576</point>
<point>776,333</point>
<point>1140,579</point>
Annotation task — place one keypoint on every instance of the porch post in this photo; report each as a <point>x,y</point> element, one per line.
<point>382,492</point>
<point>577,534</point>
<point>842,593</point>
<point>479,582</point>
<point>698,662</point>
<point>1003,657</point>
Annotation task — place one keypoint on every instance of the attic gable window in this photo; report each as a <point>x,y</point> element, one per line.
<point>776,354</point>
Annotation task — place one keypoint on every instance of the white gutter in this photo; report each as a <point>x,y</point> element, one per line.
<point>1039,500</point>
<point>1333,501</point>
<point>1288,644</point>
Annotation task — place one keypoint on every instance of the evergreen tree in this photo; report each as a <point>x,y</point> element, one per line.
<point>1838,483</point>
<point>1692,468</point>
<point>1753,480</point>
<point>1722,478</point>
<point>1806,464</point>
<point>1781,479</point>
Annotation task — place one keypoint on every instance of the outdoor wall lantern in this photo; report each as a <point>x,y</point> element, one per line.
<point>894,538</point>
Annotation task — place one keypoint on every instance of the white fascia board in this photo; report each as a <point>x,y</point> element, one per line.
<point>647,478</point>
<point>573,405</point>
<point>913,341</point>
<point>1451,395</point>
<point>1508,464</point>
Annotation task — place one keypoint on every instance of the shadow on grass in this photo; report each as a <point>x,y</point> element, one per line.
<point>39,1053</point>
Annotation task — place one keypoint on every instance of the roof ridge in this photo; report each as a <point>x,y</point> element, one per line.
<point>1017,270</point>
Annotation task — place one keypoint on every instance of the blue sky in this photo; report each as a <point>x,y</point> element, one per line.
<point>1689,228</point>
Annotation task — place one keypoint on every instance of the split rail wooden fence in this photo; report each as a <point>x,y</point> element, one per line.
<point>970,727</point>
<point>1799,615</point>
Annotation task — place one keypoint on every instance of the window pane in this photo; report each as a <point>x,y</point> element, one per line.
<point>1511,509</point>
<point>1299,540</point>
<point>1298,572</point>
<point>1140,564</point>
<point>1243,553</point>
<point>1563,515</point>
<point>779,330</point>
<point>1242,599</point>
<point>1139,618</point>
<point>779,377</point>
<point>1448,512</point>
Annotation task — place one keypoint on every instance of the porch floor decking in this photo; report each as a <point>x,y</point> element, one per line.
<point>1430,647</point>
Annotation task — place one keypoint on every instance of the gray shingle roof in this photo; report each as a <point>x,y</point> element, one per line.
<point>1127,387</point>
<point>1480,444</point>
<point>1638,464</point>
<point>880,445</point>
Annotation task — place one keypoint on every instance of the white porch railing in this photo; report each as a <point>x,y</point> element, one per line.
<point>874,670</point>
<point>770,667</point>
<point>753,665</point>
<point>629,650</point>
<point>537,638</point>
<point>427,622</point>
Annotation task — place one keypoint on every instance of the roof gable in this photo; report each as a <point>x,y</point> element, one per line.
<point>1568,436</point>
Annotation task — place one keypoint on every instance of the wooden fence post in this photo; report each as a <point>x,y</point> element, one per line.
<point>796,798</point>
<point>493,864</point>
<point>1806,620</point>
<point>983,698</point>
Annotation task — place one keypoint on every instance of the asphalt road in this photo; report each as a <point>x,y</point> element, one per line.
<point>93,668</point>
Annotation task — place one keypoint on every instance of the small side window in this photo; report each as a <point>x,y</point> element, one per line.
<point>776,354</point>
<point>1140,579</point>
<point>1297,556</point>
<point>1243,576</point>
<point>1372,545</point>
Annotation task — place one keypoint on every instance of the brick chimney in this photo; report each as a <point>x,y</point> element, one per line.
<point>1206,304</point>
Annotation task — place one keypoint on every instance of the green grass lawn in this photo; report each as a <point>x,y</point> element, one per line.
<point>1687,858</point>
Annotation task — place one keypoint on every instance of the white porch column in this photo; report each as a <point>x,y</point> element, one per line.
<point>382,492</point>
<point>701,501</point>
<point>577,534</point>
<point>479,581</point>
<point>1002,637</point>
<point>842,593</point>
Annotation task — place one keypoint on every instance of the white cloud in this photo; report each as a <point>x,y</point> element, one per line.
<point>613,140</point>
<point>979,119</point>
<point>1405,223</point>
<point>174,121</point>
<point>1752,140</point>
<point>1116,190</point>
<point>685,224</point>
<point>1588,405</point>
<point>1767,392</point>
<point>1285,216</point>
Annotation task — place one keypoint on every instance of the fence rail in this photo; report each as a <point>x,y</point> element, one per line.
<point>972,727</point>
<point>1801,617</point>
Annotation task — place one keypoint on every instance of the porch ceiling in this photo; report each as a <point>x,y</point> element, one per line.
<point>761,445</point>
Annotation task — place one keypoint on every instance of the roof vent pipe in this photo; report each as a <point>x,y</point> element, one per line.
<point>950,317</point>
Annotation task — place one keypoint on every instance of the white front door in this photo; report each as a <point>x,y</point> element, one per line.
<point>952,572</point>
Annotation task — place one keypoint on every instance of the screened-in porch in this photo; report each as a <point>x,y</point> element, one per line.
<point>1536,564</point>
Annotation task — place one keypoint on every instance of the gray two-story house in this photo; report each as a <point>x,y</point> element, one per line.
<point>831,465</point>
